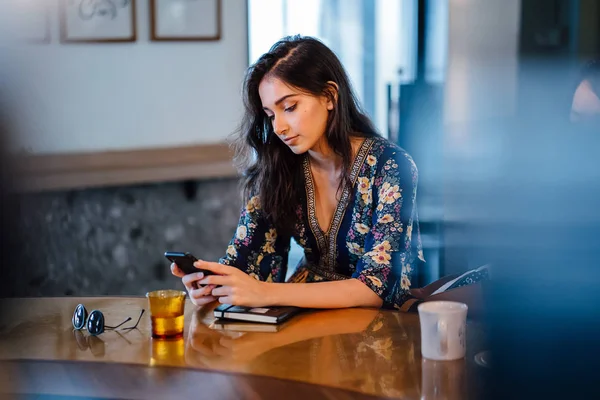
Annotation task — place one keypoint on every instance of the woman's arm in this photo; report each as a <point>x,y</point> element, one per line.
<point>238,288</point>
<point>256,249</point>
<point>336,294</point>
<point>391,255</point>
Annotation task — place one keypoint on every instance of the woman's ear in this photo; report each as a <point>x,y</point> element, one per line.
<point>331,93</point>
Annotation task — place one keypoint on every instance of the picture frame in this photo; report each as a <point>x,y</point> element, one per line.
<point>98,21</point>
<point>185,20</point>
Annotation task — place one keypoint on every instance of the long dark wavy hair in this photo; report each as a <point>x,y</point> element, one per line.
<point>271,170</point>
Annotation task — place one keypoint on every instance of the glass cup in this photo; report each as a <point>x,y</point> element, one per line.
<point>166,313</point>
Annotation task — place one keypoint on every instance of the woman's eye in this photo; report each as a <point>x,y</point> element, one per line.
<point>291,108</point>
<point>271,117</point>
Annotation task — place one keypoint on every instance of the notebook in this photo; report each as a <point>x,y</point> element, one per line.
<point>268,315</point>
<point>234,326</point>
<point>469,277</point>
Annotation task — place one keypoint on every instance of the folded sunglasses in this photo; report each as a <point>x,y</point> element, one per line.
<point>94,321</point>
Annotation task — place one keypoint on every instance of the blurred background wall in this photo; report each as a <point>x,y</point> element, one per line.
<point>120,150</point>
<point>98,213</point>
<point>82,97</point>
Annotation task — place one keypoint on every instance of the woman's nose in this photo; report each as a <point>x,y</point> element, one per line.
<point>279,126</point>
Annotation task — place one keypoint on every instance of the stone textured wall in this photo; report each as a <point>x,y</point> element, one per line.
<point>110,241</point>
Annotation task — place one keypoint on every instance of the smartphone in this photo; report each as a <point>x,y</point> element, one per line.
<point>185,262</point>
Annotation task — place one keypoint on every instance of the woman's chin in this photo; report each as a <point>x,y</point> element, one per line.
<point>298,149</point>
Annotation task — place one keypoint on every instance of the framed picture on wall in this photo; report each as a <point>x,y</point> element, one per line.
<point>185,20</point>
<point>27,21</point>
<point>100,21</point>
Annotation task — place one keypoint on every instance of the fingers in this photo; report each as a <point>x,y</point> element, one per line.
<point>176,271</point>
<point>201,292</point>
<point>222,290</point>
<point>214,267</point>
<point>202,295</point>
<point>227,300</point>
<point>189,279</point>
<point>204,300</point>
<point>217,280</point>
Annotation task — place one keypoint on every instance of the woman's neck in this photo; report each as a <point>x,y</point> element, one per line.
<point>324,158</point>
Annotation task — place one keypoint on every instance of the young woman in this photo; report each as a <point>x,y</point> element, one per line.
<point>319,173</point>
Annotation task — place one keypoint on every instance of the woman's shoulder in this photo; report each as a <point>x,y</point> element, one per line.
<point>385,152</point>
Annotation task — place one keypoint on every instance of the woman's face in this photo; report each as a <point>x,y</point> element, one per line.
<point>298,119</point>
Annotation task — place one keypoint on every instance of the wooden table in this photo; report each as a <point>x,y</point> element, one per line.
<point>349,353</point>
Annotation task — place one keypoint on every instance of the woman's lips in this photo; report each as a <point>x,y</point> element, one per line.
<point>290,139</point>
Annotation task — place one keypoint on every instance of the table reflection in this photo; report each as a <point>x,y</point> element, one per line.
<point>366,350</point>
<point>373,350</point>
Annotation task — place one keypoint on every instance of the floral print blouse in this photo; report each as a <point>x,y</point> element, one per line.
<point>373,237</point>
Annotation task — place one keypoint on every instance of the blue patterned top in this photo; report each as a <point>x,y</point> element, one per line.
<point>373,237</point>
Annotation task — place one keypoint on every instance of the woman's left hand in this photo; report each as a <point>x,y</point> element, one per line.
<point>236,287</point>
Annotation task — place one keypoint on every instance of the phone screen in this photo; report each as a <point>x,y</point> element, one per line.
<point>185,262</point>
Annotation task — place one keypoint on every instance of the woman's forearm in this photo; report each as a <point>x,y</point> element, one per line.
<point>336,294</point>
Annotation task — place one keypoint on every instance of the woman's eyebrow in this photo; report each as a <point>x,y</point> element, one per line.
<point>280,100</point>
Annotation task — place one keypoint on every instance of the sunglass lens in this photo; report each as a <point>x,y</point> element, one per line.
<point>79,316</point>
<point>95,323</point>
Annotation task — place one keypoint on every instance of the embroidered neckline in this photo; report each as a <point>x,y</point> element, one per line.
<point>327,241</point>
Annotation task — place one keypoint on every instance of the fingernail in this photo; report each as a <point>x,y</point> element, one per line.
<point>200,275</point>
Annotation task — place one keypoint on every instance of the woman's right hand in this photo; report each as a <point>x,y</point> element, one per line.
<point>200,295</point>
